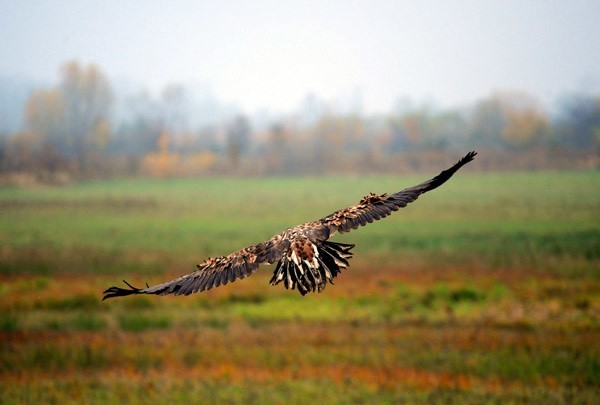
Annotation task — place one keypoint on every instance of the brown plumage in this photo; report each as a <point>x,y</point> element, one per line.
<point>306,259</point>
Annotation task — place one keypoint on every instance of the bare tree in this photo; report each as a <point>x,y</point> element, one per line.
<point>238,139</point>
<point>87,99</point>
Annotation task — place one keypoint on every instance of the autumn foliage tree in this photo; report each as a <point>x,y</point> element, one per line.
<point>72,119</point>
<point>524,128</point>
<point>508,120</point>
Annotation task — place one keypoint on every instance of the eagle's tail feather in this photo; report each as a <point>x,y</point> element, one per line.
<point>307,277</point>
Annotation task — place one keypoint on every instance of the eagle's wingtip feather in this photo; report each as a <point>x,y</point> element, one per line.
<point>114,291</point>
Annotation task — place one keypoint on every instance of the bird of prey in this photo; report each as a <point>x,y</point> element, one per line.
<point>306,259</point>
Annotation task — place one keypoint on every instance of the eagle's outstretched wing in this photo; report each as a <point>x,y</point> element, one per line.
<point>214,271</point>
<point>306,259</point>
<point>373,207</point>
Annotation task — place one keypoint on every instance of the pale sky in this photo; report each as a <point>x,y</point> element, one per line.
<point>271,54</point>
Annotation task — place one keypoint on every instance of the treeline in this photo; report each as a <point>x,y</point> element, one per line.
<point>79,128</point>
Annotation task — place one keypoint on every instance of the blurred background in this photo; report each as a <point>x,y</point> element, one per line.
<point>136,139</point>
<point>92,89</point>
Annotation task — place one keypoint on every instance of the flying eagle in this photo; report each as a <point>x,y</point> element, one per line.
<point>306,258</point>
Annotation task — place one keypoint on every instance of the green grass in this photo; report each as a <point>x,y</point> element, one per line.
<point>139,322</point>
<point>503,219</point>
<point>486,290</point>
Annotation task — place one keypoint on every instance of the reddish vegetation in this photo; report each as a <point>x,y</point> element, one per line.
<point>437,348</point>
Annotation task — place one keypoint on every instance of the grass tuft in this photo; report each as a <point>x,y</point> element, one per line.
<point>139,323</point>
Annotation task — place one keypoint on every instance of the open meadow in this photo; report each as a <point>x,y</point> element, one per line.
<point>484,290</point>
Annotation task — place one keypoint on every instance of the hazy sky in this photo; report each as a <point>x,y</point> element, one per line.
<point>270,54</point>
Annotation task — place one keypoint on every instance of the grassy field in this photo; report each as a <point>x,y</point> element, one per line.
<point>485,290</point>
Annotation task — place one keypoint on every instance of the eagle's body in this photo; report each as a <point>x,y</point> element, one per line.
<point>305,258</point>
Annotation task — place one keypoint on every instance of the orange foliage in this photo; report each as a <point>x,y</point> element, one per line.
<point>202,161</point>
<point>165,163</point>
<point>524,127</point>
<point>44,114</point>
<point>162,163</point>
